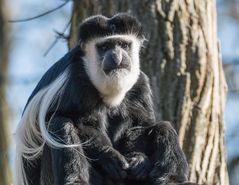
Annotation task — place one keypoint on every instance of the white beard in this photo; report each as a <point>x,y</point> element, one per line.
<point>117,85</point>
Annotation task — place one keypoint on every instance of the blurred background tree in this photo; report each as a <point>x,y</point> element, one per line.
<point>4,135</point>
<point>182,59</point>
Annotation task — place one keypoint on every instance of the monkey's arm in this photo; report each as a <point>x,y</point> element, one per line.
<point>69,164</point>
<point>170,164</point>
<point>99,150</point>
<point>158,157</point>
<point>141,104</point>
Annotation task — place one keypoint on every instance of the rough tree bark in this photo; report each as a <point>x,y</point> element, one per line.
<point>5,177</point>
<point>182,59</point>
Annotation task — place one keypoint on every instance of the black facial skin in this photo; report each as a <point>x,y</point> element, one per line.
<point>114,54</point>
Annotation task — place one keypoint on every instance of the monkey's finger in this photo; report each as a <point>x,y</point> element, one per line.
<point>123,163</point>
<point>133,162</point>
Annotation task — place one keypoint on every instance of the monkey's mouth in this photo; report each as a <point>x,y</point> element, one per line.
<point>118,70</point>
<point>111,70</point>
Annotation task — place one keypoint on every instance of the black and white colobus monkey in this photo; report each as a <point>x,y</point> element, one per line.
<point>90,119</point>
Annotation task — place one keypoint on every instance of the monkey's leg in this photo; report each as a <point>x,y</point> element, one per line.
<point>68,165</point>
<point>159,143</point>
<point>170,165</point>
<point>135,145</point>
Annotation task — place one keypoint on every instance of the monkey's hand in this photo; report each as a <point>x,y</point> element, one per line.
<point>113,163</point>
<point>139,165</point>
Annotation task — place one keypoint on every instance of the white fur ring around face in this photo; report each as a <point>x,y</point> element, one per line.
<point>114,86</point>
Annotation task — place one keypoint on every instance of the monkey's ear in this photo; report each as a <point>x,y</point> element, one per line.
<point>81,44</point>
<point>143,41</point>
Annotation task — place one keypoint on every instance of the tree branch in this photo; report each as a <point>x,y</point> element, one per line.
<point>40,15</point>
<point>60,35</point>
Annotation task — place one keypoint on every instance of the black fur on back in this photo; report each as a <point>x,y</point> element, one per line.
<point>57,69</point>
<point>98,26</point>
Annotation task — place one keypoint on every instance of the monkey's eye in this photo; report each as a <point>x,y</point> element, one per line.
<point>103,47</point>
<point>125,45</point>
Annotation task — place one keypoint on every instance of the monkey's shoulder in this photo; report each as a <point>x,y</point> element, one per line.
<point>56,70</point>
<point>140,89</point>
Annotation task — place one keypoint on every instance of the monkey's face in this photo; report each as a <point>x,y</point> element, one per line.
<point>112,63</point>
<point>114,55</point>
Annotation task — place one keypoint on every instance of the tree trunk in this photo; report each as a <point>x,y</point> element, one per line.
<point>182,59</point>
<point>5,177</point>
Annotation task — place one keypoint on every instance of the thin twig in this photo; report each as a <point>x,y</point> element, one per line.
<point>40,15</point>
<point>59,36</point>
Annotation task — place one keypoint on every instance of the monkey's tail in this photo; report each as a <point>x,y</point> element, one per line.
<point>32,133</point>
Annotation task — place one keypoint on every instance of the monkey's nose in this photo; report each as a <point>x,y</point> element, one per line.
<point>111,61</point>
<point>117,57</point>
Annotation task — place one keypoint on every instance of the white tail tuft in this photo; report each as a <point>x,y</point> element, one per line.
<point>32,133</point>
